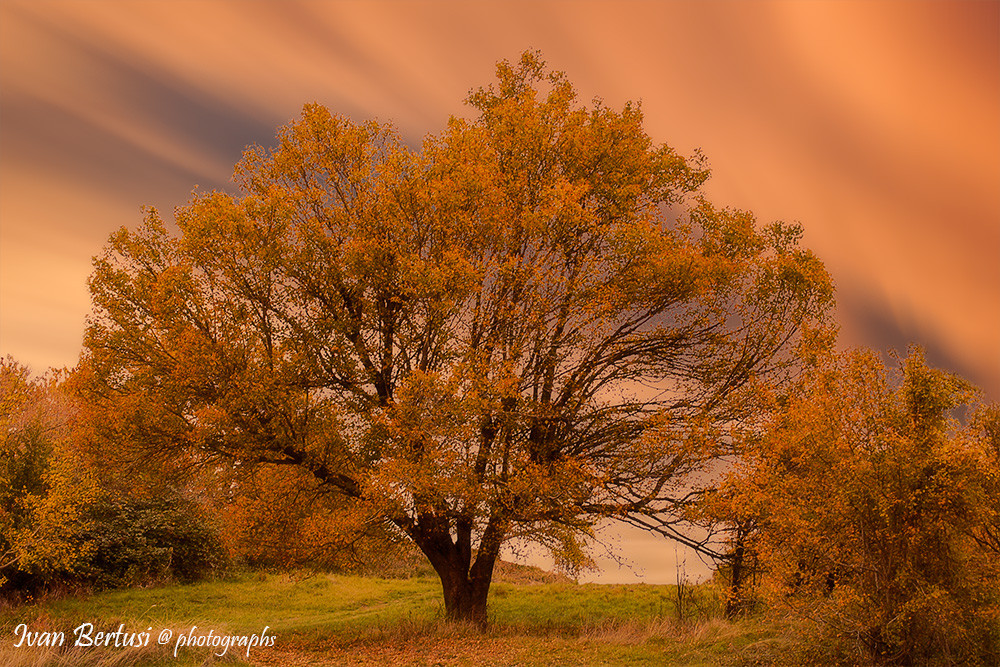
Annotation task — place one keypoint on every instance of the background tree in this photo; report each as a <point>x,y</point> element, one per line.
<point>985,427</point>
<point>62,524</point>
<point>872,510</point>
<point>42,494</point>
<point>504,335</point>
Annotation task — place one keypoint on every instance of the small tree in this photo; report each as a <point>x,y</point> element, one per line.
<point>873,511</point>
<point>43,492</point>
<point>503,335</point>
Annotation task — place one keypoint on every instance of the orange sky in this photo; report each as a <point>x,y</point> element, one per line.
<point>876,124</point>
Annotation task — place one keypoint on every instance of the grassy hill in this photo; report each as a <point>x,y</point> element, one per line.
<point>327,619</point>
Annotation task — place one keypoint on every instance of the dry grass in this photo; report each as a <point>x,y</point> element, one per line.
<point>658,642</point>
<point>69,655</point>
<point>514,573</point>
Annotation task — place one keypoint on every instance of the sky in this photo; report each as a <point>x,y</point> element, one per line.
<point>874,124</point>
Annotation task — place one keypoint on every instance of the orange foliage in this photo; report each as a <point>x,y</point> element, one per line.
<point>874,511</point>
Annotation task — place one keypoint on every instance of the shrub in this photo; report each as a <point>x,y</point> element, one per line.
<point>135,541</point>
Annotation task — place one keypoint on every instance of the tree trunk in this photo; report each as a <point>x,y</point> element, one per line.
<point>734,603</point>
<point>743,563</point>
<point>465,584</point>
<point>464,598</point>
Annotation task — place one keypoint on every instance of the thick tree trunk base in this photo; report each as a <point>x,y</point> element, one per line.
<point>464,601</point>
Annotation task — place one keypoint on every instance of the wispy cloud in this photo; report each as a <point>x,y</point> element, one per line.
<point>875,124</point>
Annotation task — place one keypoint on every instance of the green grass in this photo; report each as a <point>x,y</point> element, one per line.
<point>344,620</point>
<point>586,605</point>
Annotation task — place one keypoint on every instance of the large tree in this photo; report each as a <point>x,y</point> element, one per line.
<point>504,334</point>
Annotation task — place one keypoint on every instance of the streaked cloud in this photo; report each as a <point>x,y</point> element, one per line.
<point>875,124</point>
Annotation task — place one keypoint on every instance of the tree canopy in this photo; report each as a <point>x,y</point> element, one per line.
<point>507,333</point>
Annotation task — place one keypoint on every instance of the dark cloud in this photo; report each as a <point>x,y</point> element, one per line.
<point>137,92</point>
<point>871,322</point>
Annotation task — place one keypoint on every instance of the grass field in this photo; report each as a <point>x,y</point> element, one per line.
<point>329,619</point>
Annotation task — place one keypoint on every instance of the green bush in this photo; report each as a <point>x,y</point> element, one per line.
<point>136,541</point>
